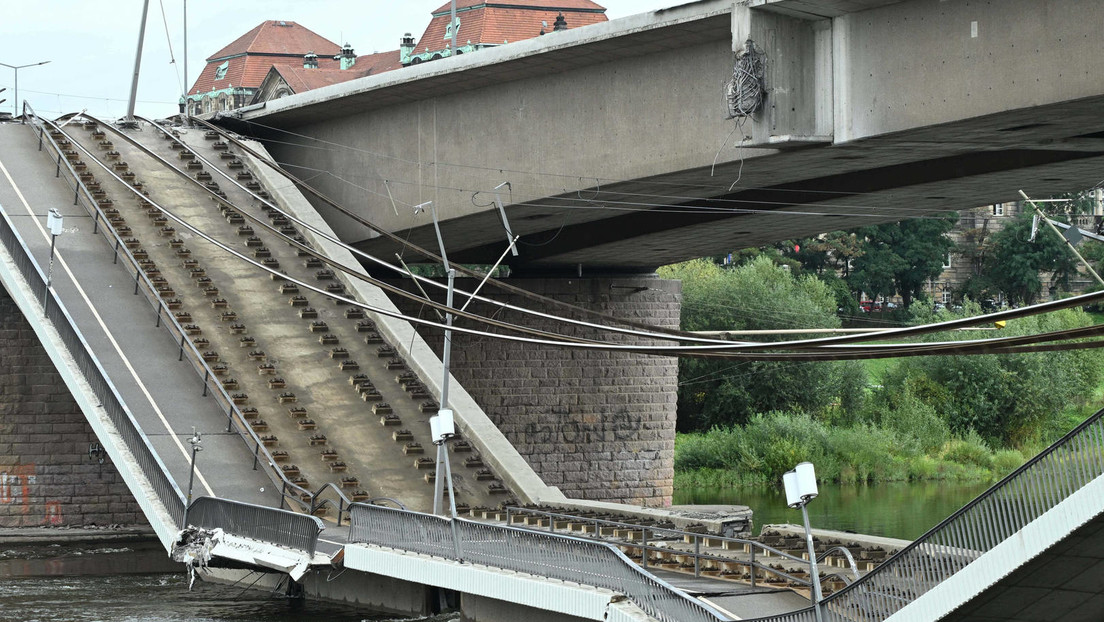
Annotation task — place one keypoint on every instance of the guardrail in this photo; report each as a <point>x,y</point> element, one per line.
<point>127,427</point>
<point>994,516</point>
<point>279,527</point>
<point>538,553</point>
<point>143,285</point>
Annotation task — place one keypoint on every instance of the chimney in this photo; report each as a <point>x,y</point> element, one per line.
<point>406,48</point>
<point>559,24</point>
<point>310,61</point>
<point>347,56</point>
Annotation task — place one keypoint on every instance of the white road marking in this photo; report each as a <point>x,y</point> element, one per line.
<point>115,344</point>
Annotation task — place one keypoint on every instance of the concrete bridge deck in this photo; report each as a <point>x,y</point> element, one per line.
<point>166,395</point>
<point>613,136</point>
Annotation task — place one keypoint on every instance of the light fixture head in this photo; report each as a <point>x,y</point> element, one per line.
<point>54,221</point>
<point>806,481</point>
<point>419,208</point>
<point>789,481</point>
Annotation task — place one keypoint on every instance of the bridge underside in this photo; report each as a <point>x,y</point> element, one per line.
<point>1065,582</point>
<point>619,158</point>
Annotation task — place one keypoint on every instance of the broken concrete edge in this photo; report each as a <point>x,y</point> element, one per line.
<point>76,535</point>
<point>890,545</point>
<point>475,425</point>
<point>110,438</point>
<point>732,523</point>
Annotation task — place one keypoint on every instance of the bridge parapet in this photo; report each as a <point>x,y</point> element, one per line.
<point>541,554</point>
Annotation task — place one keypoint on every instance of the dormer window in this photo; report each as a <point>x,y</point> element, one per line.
<point>220,72</point>
<point>448,29</point>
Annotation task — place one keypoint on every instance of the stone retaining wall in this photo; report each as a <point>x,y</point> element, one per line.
<point>47,477</point>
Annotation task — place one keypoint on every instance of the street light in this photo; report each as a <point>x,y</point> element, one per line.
<point>801,488</point>
<point>197,446</point>
<point>54,222</point>
<point>15,104</point>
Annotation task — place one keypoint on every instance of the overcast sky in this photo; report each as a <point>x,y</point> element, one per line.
<point>91,43</point>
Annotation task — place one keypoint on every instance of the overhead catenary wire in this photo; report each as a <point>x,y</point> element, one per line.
<point>741,351</point>
<point>901,332</point>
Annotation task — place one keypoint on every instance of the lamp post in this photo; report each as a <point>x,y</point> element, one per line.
<point>54,222</point>
<point>197,446</point>
<point>16,68</point>
<point>801,488</point>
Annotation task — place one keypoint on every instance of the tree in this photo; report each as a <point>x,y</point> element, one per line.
<point>902,257</point>
<point>1014,263</point>
<point>757,295</point>
<point>1008,399</point>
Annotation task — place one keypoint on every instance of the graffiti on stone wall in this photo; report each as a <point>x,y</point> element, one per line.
<point>53,514</point>
<point>568,428</point>
<point>16,482</point>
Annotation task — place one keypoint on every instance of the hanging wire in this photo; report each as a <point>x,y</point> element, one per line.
<point>746,91</point>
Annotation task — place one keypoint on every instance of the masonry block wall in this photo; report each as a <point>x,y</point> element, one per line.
<point>598,425</point>
<point>46,475</point>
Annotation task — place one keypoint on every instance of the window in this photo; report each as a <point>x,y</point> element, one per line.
<point>946,260</point>
<point>220,72</point>
<point>946,297</point>
<point>998,209</point>
<point>448,30</point>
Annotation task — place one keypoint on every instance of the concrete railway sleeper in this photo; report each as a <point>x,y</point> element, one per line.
<point>255,445</point>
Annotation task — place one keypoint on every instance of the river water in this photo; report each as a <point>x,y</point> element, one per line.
<point>127,583</point>
<point>894,510</point>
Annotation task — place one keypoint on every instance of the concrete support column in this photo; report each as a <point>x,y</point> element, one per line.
<point>47,475</point>
<point>598,425</point>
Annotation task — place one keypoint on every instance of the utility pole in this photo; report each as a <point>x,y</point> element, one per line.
<point>454,29</point>
<point>1039,213</point>
<point>16,68</point>
<point>137,64</point>
<point>187,107</point>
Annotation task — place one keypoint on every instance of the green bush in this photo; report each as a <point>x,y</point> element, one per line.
<point>970,449</point>
<point>1005,461</point>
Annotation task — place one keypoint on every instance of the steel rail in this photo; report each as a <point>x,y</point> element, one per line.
<point>401,271</point>
<point>895,332</point>
<point>733,351</point>
<point>697,538</point>
<point>172,326</point>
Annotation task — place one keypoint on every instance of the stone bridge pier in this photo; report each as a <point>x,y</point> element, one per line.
<point>598,425</point>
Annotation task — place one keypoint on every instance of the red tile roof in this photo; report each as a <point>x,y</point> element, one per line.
<point>279,37</point>
<point>300,79</point>
<point>251,55</point>
<point>499,22</point>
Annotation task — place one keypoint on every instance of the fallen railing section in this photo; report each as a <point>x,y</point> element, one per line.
<point>993,517</point>
<point>279,527</point>
<point>541,554</point>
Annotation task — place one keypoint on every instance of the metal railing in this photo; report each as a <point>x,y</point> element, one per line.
<point>996,515</point>
<point>142,284</point>
<point>126,426</point>
<point>538,553</point>
<point>651,532</point>
<point>279,527</point>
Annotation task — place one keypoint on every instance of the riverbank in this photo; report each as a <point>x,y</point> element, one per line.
<point>75,535</point>
<point>67,552</point>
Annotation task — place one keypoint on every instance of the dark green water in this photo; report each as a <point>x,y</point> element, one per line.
<point>894,510</point>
